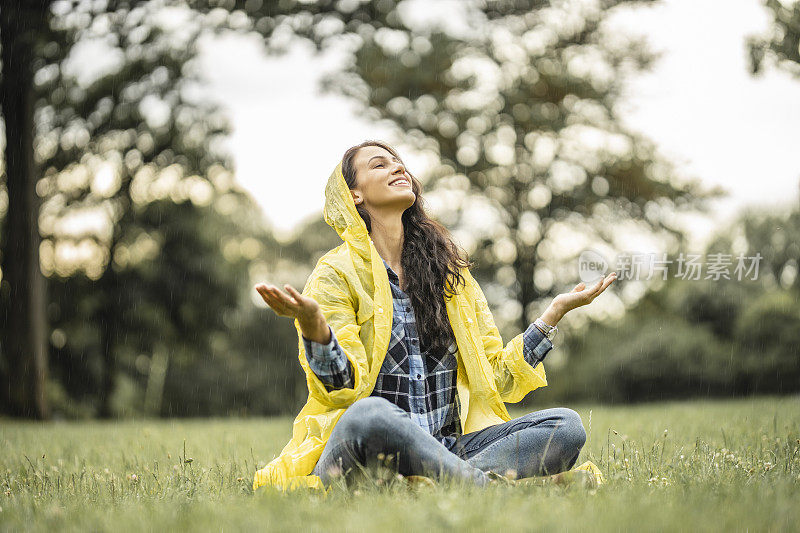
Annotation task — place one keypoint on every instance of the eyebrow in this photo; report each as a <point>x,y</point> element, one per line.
<point>381,157</point>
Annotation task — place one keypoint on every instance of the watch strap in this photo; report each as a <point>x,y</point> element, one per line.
<point>548,330</point>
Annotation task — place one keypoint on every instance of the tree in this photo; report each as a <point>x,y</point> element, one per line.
<point>119,145</point>
<point>520,110</point>
<point>24,328</point>
<point>781,45</point>
<point>699,337</point>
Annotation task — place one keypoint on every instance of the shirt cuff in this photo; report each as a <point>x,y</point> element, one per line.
<point>536,345</point>
<point>329,362</point>
<point>322,352</point>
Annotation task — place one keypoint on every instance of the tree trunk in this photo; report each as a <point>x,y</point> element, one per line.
<point>525,266</point>
<point>24,345</point>
<point>108,324</point>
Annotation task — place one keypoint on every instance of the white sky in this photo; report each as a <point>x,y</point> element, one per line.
<point>699,104</point>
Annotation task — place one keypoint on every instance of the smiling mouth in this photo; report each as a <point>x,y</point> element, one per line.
<point>400,182</point>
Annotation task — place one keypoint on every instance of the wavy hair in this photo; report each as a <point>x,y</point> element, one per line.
<point>430,260</point>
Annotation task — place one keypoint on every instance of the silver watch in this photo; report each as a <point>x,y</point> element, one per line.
<point>549,331</point>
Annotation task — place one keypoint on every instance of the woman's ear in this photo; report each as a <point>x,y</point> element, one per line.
<point>356,197</point>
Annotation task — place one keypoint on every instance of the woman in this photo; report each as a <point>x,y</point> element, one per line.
<point>401,354</point>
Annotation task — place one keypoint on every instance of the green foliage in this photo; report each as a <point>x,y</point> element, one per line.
<point>768,333</point>
<point>710,466</point>
<point>150,303</point>
<point>699,337</point>
<point>780,45</point>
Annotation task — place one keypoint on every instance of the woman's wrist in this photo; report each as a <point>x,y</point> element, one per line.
<point>552,315</point>
<point>316,330</point>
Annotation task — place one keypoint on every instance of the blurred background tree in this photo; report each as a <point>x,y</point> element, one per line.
<point>24,372</point>
<point>781,45</point>
<point>725,337</point>
<point>148,245</point>
<point>138,207</point>
<point>722,337</point>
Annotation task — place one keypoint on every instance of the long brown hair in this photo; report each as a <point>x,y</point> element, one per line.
<point>431,261</point>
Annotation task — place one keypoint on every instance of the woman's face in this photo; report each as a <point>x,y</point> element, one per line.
<point>382,182</point>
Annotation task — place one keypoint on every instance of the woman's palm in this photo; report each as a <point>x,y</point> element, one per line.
<point>581,295</point>
<point>292,305</point>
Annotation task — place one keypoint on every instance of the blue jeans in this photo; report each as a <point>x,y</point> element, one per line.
<point>374,430</point>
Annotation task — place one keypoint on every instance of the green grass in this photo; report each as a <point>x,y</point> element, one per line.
<point>722,465</point>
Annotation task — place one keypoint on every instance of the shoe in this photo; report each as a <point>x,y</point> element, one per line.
<point>580,478</point>
<point>418,482</point>
<point>497,479</point>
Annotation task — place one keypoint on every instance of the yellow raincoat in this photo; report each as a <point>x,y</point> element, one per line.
<point>351,285</point>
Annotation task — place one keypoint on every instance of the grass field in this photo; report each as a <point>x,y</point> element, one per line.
<point>710,465</point>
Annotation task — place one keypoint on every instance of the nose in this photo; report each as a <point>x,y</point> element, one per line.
<point>399,168</point>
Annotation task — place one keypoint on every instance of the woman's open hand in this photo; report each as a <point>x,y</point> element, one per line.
<point>582,295</point>
<point>294,305</point>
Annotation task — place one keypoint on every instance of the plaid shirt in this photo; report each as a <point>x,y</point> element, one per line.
<point>422,384</point>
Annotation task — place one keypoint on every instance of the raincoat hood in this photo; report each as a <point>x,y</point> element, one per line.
<point>340,212</point>
<point>351,285</point>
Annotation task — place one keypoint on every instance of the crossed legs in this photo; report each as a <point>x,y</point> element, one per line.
<point>540,443</point>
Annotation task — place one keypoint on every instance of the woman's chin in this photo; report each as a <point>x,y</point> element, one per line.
<point>404,197</point>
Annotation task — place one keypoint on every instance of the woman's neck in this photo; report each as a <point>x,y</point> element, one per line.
<point>388,236</point>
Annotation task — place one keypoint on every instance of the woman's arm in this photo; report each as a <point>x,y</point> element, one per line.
<point>514,375</point>
<point>324,312</point>
<point>535,345</point>
<point>329,362</point>
<point>517,365</point>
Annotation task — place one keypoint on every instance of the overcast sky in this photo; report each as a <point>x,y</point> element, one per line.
<point>699,105</point>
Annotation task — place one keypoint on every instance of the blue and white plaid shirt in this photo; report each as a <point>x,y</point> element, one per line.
<point>422,384</point>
